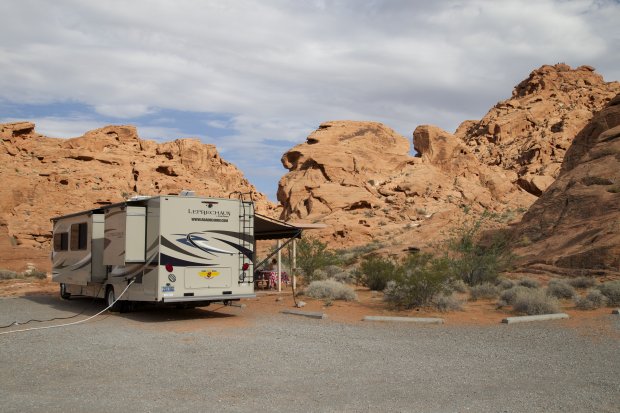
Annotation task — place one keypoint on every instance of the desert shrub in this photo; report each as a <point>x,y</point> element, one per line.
<point>446,303</point>
<point>332,270</point>
<point>330,290</point>
<point>419,280</point>
<point>504,283</point>
<point>594,299</point>
<point>560,289</point>
<point>319,274</point>
<point>345,277</point>
<point>7,274</point>
<point>509,296</point>
<point>458,285</point>
<point>474,260</point>
<point>377,272</point>
<point>582,282</point>
<point>534,302</point>
<point>611,290</point>
<point>312,254</point>
<point>29,273</point>
<point>484,290</point>
<point>529,283</point>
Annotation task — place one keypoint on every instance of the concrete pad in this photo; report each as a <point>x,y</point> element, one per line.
<point>305,314</point>
<point>420,320</point>
<point>616,311</point>
<point>528,318</point>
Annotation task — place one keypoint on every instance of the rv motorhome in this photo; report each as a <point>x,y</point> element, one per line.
<point>184,250</point>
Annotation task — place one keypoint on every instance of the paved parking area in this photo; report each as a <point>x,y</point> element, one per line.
<point>239,360</point>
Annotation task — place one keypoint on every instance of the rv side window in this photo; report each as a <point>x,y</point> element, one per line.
<point>79,233</point>
<point>61,241</point>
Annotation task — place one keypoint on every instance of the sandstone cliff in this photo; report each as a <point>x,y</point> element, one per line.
<point>45,177</point>
<point>359,178</point>
<point>575,225</point>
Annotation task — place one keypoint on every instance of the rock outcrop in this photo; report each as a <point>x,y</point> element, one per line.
<point>529,133</point>
<point>360,180</point>
<point>574,226</point>
<point>45,177</point>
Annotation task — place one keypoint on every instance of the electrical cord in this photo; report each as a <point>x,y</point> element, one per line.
<point>75,322</point>
<point>17,323</point>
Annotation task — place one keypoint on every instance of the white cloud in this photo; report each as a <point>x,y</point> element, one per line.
<point>279,68</point>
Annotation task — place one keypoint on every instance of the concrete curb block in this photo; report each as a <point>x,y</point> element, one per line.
<point>528,318</point>
<point>419,320</point>
<point>309,314</point>
<point>238,305</point>
<point>616,311</point>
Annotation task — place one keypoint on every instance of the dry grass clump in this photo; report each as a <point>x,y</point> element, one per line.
<point>535,302</point>
<point>593,300</point>
<point>458,285</point>
<point>482,291</point>
<point>611,290</point>
<point>582,282</point>
<point>330,290</point>
<point>29,273</point>
<point>560,289</point>
<point>508,297</point>
<point>504,283</point>
<point>445,303</point>
<point>529,283</point>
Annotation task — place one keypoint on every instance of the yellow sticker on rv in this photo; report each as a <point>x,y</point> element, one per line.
<point>209,274</point>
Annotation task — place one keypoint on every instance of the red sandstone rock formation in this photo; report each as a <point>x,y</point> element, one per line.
<point>575,224</point>
<point>45,177</point>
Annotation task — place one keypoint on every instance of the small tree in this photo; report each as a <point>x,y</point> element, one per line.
<point>312,254</point>
<point>476,260</point>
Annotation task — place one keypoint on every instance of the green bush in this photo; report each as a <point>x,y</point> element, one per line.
<point>476,260</point>
<point>482,291</point>
<point>529,283</point>
<point>611,290</point>
<point>345,277</point>
<point>593,300</point>
<point>312,254</point>
<point>560,289</point>
<point>330,290</point>
<point>377,272</point>
<point>582,282</point>
<point>534,302</point>
<point>420,279</point>
<point>446,303</point>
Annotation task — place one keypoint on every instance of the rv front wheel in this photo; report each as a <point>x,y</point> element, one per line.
<point>63,292</point>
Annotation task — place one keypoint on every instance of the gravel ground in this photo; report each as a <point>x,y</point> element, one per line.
<point>143,362</point>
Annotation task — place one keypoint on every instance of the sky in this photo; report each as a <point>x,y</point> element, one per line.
<point>255,78</point>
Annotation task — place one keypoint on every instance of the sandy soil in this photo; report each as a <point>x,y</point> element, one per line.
<point>271,303</point>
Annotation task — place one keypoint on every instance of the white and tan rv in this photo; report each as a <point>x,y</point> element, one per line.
<point>185,250</point>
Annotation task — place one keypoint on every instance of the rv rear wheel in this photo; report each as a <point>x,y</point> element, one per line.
<point>63,292</point>
<point>109,299</point>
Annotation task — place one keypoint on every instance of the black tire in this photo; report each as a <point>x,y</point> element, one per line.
<point>63,292</point>
<point>109,299</point>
